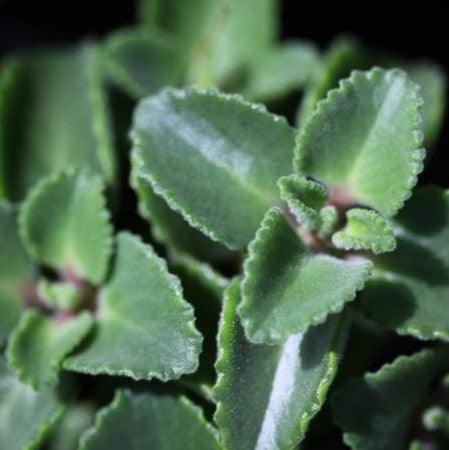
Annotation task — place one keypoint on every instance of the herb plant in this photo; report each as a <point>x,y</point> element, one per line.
<point>181,267</point>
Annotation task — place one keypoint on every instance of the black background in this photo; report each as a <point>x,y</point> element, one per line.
<point>414,29</point>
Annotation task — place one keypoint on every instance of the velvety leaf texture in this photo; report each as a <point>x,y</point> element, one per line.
<point>141,420</point>
<point>213,157</point>
<point>64,224</point>
<point>365,138</point>
<point>374,412</point>
<point>286,289</point>
<point>56,116</point>
<point>27,416</point>
<point>268,394</point>
<point>409,290</point>
<point>39,344</point>
<point>365,230</point>
<point>144,328</point>
<point>14,269</point>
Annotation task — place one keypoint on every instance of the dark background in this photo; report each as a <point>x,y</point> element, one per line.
<point>415,29</point>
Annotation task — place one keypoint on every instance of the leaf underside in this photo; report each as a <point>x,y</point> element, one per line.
<point>213,157</point>
<point>138,420</point>
<point>144,327</point>
<point>365,137</point>
<point>268,394</point>
<point>286,289</point>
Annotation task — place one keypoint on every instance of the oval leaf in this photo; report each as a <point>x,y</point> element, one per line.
<point>64,224</point>
<point>141,420</point>
<point>212,157</point>
<point>145,329</point>
<point>365,138</point>
<point>286,289</point>
<point>268,394</point>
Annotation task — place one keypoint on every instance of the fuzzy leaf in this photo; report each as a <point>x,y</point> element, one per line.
<point>58,295</point>
<point>170,229</point>
<point>328,221</point>
<point>55,116</point>
<point>39,344</point>
<point>64,224</point>
<point>282,70</point>
<point>144,329</point>
<point>375,411</point>
<point>304,198</point>
<point>286,289</point>
<point>409,290</point>
<point>365,230</point>
<point>141,420</point>
<point>14,270</point>
<point>436,418</point>
<point>268,394</point>
<point>141,62</point>
<point>203,288</point>
<point>344,55</point>
<point>213,157</point>
<point>432,82</point>
<point>365,137</point>
<point>77,419</point>
<point>27,416</point>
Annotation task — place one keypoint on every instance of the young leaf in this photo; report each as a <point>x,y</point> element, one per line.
<point>365,230</point>
<point>374,412</point>
<point>27,416</point>
<point>344,55</point>
<point>436,418</point>
<point>268,394</point>
<point>64,224</point>
<point>304,198</point>
<point>141,420</point>
<point>213,157</point>
<point>144,329</point>
<point>55,117</point>
<point>14,270</point>
<point>286,289</point>
<point>39,344</point>
<point>170,229</point>
<point>58,295</point>
<point>328,221</point>
<point>282,70</point>
<point>141,62</point>
<point>365,137</point>
<point>409,290</point>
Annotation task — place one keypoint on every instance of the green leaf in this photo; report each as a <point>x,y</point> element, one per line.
<point>39,344</point>
<point>344,55</point>
<point>203,288</point>
<point>141,420</point>
<point>144,329</point>
<point>212,157</point>
<point>328,219</point>
<point>436,418</point>
<point>281,71</point>
<point>375,411</point>
<point>141,62</point>
<point>77,419</point>
<point>54,116</point>
<point>432,82</point>
<point>268,394</point>
<point>365,230</point>
<point>304,198</point>
<point>286,289</point>
<point>65,224</point>
<point>14,270</point>
<point>365,138</point>
<point>58,295</point>
<point>169,228</point>
<point>409,290</point>
<point>27,416</point>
